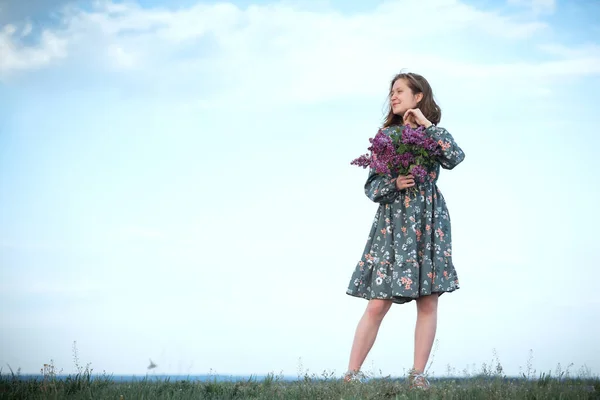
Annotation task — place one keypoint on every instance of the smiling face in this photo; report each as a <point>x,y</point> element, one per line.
<point>410,90</point>
<point>402,97</point>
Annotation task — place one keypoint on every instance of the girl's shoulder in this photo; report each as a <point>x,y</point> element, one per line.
<point>387,130</point>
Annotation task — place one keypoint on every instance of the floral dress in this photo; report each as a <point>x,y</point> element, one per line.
<point>409,249</point>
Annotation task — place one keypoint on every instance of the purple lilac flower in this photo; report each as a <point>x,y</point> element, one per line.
<point>362,161</point>
<point>382,144</point>
<point>382,153</point>
<point>430,144</point>
<point>384,157</point>
<point>381,167</point>
<point>413,136</point>
<point>419,172</point>
<point>404,159</point>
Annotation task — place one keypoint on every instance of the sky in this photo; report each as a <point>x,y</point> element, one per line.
<point>175,182</point>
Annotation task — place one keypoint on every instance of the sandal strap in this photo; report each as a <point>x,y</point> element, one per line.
<point>419,379</point>
<point>354,376</point>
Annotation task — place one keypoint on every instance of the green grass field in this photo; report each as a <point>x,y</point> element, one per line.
<point>81,387</point>
<point>489,382</point>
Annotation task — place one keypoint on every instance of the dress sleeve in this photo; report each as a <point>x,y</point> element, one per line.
<point>452,154</point>
<point>381,188</point>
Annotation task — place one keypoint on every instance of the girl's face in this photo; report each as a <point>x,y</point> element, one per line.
<point>402,98</point>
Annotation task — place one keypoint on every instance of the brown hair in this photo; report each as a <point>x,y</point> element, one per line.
<point>427,105</point>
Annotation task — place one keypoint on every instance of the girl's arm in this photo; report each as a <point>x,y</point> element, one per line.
<point>381,188</point>
<point>452,154</point>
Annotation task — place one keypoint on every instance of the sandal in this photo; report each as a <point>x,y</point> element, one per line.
<point>418,380</point>
<point>354,376</point>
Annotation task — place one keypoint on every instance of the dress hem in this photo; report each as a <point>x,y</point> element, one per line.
<point>399,299</point>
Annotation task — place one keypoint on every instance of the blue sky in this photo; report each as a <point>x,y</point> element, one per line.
<point>175,181</point>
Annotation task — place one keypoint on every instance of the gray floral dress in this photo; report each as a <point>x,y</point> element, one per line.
<point>409,249</point>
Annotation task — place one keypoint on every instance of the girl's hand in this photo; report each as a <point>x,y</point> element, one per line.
<point>405,181</point>
<point>415,116</point>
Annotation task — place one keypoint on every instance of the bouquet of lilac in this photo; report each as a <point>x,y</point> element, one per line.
<point>404,151</point>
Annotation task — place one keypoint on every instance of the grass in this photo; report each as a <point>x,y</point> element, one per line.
<point>489,382</point>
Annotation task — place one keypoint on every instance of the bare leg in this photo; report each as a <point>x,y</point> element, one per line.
<point>366,332</point>
<point>425,330</point>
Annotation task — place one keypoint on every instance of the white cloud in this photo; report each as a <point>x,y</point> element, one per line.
<point>536,6</point>
<point>267,32</point>
<point>283,52</point>
<point>16,57</point>
<point>9,29</point>
<point>584,50</point>
<point>121,57</point>
<point>27,29</point>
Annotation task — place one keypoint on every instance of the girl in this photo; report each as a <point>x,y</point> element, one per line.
<point>408,254</point>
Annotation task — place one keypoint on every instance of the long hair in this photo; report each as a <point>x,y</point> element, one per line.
<point>427,105</point>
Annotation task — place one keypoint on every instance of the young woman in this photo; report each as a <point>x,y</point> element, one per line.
<point>408,254</point>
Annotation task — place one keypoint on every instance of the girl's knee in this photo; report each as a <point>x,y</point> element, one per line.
<point>377,308</point>
<point>428,304</point>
